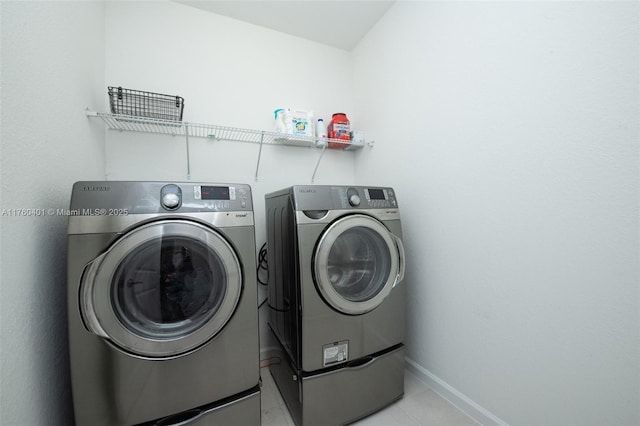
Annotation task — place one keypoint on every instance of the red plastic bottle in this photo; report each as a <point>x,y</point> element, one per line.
<point>339,128</point>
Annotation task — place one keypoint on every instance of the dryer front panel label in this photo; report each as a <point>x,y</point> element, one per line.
<point>335,353</point>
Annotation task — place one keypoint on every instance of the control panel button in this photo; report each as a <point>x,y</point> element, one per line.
<point>171,196</point>
<point>170,200</point>
<point>352,197</point>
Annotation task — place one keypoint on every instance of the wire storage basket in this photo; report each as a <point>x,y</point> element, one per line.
<point>145,104</point>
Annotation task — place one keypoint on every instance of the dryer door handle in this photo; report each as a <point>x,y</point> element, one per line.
<point>401,261</point>
<point>85,297</point>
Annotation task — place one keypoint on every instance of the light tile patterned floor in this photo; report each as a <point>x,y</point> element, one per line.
<point>420,406</point>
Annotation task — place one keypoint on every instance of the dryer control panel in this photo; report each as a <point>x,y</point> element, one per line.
<point>325,197</point>
<point>366,197</point>
<point>380,197</point>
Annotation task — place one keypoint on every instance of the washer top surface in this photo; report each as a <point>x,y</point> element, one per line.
<point>335,197</point>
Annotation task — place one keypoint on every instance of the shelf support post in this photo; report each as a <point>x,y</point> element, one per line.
<point>324,147</point>
<point>259,155</point>
<point>186,135</point>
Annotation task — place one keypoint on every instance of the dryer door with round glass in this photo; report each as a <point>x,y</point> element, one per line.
<point>162,289</point>
<point>357,263</point>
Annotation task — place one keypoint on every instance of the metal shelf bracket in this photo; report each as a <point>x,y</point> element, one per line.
<point>315,170</point>
<point>259,156</point>
<point>186,136</point>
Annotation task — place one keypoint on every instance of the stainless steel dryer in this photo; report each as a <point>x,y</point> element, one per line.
<point>162,304</point>
<point>337,299</point>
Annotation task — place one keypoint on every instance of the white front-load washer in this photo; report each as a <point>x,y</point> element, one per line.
<point>162,304</point>
<point>336,299</point>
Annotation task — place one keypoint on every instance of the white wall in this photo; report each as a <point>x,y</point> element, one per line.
<point>510,131</point>
<point>233,74</point>
<point>52,68</point>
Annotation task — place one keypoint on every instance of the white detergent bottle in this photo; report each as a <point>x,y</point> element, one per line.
<point>288,121</point>
<point>279,118</point>
<point>321,132</point>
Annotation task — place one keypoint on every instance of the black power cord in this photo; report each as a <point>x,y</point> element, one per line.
<point>262,266</point>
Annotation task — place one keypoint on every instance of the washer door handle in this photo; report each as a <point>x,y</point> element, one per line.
<point>85,297</point>
<point>401,261</point>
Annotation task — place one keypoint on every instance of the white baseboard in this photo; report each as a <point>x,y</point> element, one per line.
<point>454,396</point>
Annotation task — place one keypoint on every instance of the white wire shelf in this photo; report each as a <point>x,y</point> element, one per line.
<point>128,123</point>
<point>131,123</point>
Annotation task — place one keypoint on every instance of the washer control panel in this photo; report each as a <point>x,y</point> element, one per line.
<point>134,197</point>
<point>223,198</point>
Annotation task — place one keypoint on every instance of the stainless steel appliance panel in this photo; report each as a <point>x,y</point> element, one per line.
<point>305,322</point>
<point>343,395</point>
<point>282,258</point>
<point>336,299</point>
<point>321,324</point>
<point>115,384</point>
<point>239,410</point>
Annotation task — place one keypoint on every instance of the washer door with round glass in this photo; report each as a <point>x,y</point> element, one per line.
<point>162,289</point>
<point>357,263</point>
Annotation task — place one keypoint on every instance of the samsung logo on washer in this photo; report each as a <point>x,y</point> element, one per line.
<point>96,188</point>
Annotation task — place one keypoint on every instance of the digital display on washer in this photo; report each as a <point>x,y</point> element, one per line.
<point>376,194</point>
<point>215,192</point>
